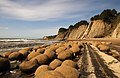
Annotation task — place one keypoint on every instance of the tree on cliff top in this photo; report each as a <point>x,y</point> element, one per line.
<point>107,15</point>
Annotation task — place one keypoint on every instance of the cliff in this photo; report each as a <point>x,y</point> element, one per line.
<point>106,24</point>
<point>116,32</point>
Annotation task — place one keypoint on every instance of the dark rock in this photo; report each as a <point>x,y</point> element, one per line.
<point>4,64</point>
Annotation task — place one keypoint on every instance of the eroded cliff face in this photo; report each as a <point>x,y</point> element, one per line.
<point>116,33</point>
<point>99,29</point>
<point>73,33</point>
<point>61,34</point>
<point>104,25</point>
<point>77,32</point>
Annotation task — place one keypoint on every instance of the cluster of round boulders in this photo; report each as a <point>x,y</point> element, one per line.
<point>45,61</point>
<point>28,66</point>
<point>104,48</point>
<point>16,56</point>
<point>55,63</point>
<point>4,64</point>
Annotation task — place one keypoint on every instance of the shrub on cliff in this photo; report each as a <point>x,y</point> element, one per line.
<point>62,30</point>
<point>107,15</point>
<point>83,22</point>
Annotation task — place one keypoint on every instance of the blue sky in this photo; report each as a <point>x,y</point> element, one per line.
<point>38,18</point>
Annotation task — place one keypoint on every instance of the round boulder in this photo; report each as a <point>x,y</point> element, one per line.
<point>16,56</point>
<point>70,63</point>
<point>42,69</point>
<point>55,63</point>
<point>60,49</point>
<point>36,47</point>
<point>6,54</point>
<point>42,59</point>
<point>65,55</point>
<point>24,52</point>
<point>75,49</point>
<point>4,64</point>
<point>51,54</point>
<point>68,72</point>
<point>50,74</point>
<point>27,49</point>
<point>104,48</point>
<point>41,50</point>
<point>28,66</point>
<point>32,55</point>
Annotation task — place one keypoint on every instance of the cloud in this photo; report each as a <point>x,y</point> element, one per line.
<point>3,28</point>
<point>35,10</point>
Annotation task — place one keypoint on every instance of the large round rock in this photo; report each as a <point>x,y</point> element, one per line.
<point>104,47</point>
<point>42,69</point>
<point>68,72</point>
<point>50,74</point>
<point>40,50</point>
<point>16,56</point>
<point>65,55</point>
<point>32,55</point>
<point>60,49</point>
<point>51,54</point>
<point>24,52</point>
<point>70,63</point>
<point>6,54</point>
<point>28,66</point>
<point>42,59</point>
<point>55,63</point>
<point>4,64</point>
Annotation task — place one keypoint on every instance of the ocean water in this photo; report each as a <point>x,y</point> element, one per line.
<point>13,44</point>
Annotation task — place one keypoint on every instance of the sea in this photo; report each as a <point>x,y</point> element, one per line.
<point>14,44</point>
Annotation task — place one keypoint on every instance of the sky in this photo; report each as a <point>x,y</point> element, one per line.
<point>38,18</point>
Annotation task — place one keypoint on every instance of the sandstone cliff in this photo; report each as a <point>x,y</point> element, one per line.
<point>116,32</point>
<point>99,29</point>
<point>106,24</point>
<point>73,32</point>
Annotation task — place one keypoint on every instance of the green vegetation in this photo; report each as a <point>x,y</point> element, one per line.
<point>62,30</point>
<point>49,37</point>
<point>107,16</point>
<point>83,22</point>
